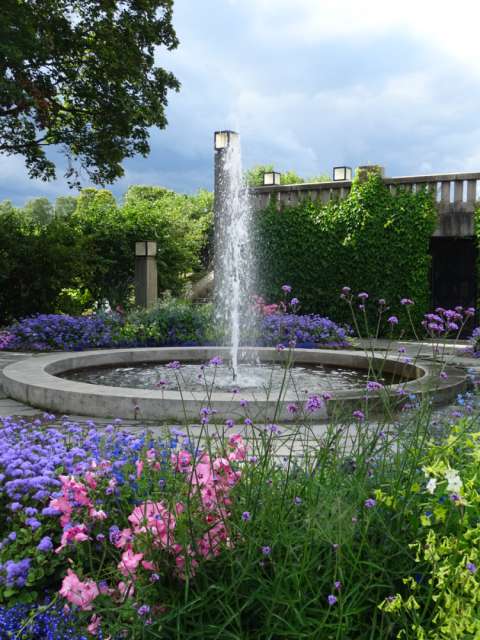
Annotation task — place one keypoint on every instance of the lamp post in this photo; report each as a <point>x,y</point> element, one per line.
<point>146,280</point>
<point>342,173</point>
<point>271,178</point>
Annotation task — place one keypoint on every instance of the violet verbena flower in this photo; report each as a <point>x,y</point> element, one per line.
<point>392,320</point>
<point>471,567</point>
<point>294,302</point>
<point>175,364</point>
<point>315,403</point>
<point>359,415</point>
<point>266,550</point>
<point>246,516</point>
<point>406,302</point>
<point>372,385</point>
<point>363,295</point>
<point>331,600</point>
<point>286,288</point>
<point>216,361</point>
<point>370,503</point>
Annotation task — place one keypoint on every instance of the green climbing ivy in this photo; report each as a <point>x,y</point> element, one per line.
<point>372,241</point>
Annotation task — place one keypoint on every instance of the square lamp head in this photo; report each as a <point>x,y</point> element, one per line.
<point>223,139</point>
<point>342,173</point>
<point>146,248</point>
<point>271,178</point>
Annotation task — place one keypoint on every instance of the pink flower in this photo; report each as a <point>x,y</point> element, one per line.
<point>94,625</point>
<point>139,466</point>
<point>126,589</point>
<point>78,533</point>
<point>97,514</point>
<point>129,562</point>
<point>79,593</point>
<point>125,537</point>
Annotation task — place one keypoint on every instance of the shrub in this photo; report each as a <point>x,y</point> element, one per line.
<point>52,332</point>
<point>373,240</point>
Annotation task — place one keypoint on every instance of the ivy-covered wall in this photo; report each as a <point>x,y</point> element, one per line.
<point>372,241</point>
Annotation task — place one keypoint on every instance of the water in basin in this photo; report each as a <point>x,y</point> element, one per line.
<point>195,377</point>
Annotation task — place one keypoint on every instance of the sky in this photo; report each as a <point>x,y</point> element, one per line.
<point>309,85</point>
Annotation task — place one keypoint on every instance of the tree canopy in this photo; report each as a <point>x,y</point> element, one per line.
<point>82,75</point>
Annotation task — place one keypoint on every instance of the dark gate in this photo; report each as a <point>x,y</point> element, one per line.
<point>454,272</point>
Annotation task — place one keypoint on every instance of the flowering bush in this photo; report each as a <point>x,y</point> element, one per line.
<point>305,330</point>
<point>50,332</point>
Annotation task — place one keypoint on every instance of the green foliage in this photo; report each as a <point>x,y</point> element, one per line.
<point>171,322</point>
<point>39,210</point>
<point>65,206</point>
<point>108,234</point>
<point>254,176</point>
<point>372,241</point>
<point>444,605</point>
<point>36,263</point>
<point>85,252</point>
<point>83,75</point>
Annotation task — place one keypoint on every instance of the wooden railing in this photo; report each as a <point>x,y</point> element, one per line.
<point>456,195</point>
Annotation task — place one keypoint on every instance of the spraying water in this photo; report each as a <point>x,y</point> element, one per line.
<point>233,250</point>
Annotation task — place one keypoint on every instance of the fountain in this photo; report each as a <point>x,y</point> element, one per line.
<point>123,382</point>
<point>233,251</point>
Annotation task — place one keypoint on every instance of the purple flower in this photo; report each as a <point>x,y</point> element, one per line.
<point>33,523</point>
<point>143,610</point>
<point>372,385</point>
<point>229,423</point>
<point>382,302</point>
<point>286,288</point>
<point>363,295</point>
<point>331,600</point>
<point>216,361</point>
<point>45,545</point>
<point>338,585</point>
<point>247,422</point>
<point>175,364</point>
<point>294,302</point>
<point>315,403</point>
<point>471,567</point>
<point>393,320</point>
<point>346,291</point>
<point>443,375</point>
<point>370,503</point>
<point>359,415</point>
<point>292,408</point>
<point>406,302</point>
<point>243,403</point>
<point>297,500</point>
<point>246,516</point>
<point>266,550</point>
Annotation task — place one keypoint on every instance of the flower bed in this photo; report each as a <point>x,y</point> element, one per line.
<point>127,535</point>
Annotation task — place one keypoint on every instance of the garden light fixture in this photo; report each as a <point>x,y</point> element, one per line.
<point>271,178</point>
<point>342,173</point>
<point>222,139</point>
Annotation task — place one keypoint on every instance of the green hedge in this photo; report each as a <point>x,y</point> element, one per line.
<point>372,241</point>
<point>68,262</point>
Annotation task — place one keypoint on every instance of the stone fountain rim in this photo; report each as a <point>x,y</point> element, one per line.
<point>34,382</point>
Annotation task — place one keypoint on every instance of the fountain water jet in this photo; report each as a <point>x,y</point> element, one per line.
<point>233,245</point>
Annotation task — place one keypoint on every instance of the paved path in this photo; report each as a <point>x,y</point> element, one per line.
<point>454,354</point>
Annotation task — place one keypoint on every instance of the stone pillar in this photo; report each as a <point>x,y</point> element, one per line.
<point>363,172</point>
<point>146,283</point>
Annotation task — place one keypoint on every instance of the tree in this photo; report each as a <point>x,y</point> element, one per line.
<point>81,74</point>
<point>254,176</point>
<point>38,210</point>
<point>65,206</point>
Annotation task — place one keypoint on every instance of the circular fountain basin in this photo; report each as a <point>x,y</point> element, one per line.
<point>40,381</point>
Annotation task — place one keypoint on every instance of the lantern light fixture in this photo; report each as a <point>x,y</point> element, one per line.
<point>222,139</point>
<point>342,173</point>
<point>271,178</point>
